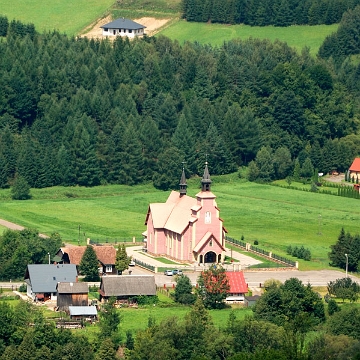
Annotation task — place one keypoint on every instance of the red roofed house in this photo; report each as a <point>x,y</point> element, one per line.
<point>187,229</point>
<point>238,286</point>
<point>105,254</point>
<point>354,170</point>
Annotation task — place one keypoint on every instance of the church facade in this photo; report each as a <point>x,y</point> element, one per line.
<point>187,229</point>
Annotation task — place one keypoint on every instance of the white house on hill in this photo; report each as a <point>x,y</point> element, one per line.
<point>123,27</point>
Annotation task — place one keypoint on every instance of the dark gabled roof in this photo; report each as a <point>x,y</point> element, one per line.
<point>123,23</point>
<point>82,310</point>
<point>72,288</point>
<point>128,285</point>
<point>44,278</point>
<point>252,298</point>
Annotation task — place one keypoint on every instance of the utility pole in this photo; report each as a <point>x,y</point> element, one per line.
<point>346,266</point>
<point>79,235</point>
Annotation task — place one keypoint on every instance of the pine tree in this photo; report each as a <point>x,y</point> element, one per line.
<point>89,265</point>
<point>122,260</point>
<point>20,189</point>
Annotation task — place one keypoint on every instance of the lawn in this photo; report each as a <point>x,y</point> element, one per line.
<point>274,216</point>
<point>67,16</point>
<point>215,34</point>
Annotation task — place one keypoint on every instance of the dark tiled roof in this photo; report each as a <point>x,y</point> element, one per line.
<point>123,23</point>
<point>128,285</point>
<point>44,278</point>
<point>72,288</point>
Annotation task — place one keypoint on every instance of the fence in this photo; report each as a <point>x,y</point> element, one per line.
<point>115,241</point>
<point>144,265</point>
<point>261,252</point>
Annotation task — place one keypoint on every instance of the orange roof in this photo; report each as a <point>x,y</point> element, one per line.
<point>105,254</point>
<point>237,282</point>
<point>355,166</point>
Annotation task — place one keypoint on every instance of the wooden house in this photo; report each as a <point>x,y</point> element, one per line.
<point>124,287</point>
<point>187,229</point>
<point>72,294</point>
<point>238,287</point>
<point>251,300</point>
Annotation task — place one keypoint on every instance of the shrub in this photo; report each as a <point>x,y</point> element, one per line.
<point>256,242</point>
<point>23,288</point>
<point>333,307</point>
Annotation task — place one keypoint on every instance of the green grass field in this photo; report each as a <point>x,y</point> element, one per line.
<point>215,34</point>
<point>67,16</point>
<point>274,216</point>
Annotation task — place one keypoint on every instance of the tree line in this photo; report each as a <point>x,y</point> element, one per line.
<point>75,111</point>
<point>267,12</point>
<point>288,323</point>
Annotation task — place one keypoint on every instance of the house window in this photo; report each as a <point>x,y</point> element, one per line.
<point>130,31</point>
<point>106,29</point>
<point>211,243</point>
<point>208,217</point>
<point>108,268</point>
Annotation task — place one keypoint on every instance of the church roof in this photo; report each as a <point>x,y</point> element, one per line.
<point>175,214</point>
<point>204,240</point>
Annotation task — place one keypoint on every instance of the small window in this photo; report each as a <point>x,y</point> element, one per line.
<point>106,29</point>
<point>108,268</point>
<point>211,243</point>
<point>130,31</point>
<point>208,217</point>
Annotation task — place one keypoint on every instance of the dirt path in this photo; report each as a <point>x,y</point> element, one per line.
<point>14,226</point>
<point>152,26</point>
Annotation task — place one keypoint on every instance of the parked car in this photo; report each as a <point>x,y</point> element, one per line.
<point>177,272</point>
<point>168,272</point>
<point>132,263</point>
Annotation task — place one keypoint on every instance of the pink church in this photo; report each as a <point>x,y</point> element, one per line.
<point>187,229</point>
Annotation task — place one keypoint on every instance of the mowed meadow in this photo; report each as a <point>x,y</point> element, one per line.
<point>297,37</point>
<point>274,216</point>
<point>66,16</point>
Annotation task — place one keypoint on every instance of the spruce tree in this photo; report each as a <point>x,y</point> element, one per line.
<point>20,189</point>
<point>89,265</point>
<point>122,260</point>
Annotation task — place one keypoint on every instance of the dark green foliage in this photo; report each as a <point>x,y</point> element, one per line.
<point>300,253</point>
<point>109,321</point>
<point>333,307</point>
<point>79,112</point>
<point>89,265</point>
<point>344,289</point>
<point>20,189</point>
<point>290,303</point>
<point>4,24</point>
<point>183,291</point>
<point>345,322</point>
<point>20,248</point>
<point>122,260</point>
<point>346,244</point>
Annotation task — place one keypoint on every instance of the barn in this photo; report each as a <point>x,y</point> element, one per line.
<point>72,294</point>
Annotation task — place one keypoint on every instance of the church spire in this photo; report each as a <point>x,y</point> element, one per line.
<point>205,181</point>
<point>183,184</point>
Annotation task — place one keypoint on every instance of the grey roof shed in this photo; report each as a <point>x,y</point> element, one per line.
<point>123,23</point>
<point>44,278</point>
<point>82,311</point>
<point>128,285</point>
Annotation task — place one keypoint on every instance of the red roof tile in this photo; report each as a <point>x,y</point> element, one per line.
<point>355,166</point>
<point>237,282</point>
<point>105,254</point>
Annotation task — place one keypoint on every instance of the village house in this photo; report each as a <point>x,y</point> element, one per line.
<point>238,287</point>
<point>42,279</point>
<point>187,229</point>
<point>105,254</point>
<point>123,27</point>
<point>72,294</point>
<point>125,287</point>
<point>354,170</point>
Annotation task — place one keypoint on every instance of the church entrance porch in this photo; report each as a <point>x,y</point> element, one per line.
<point>210,257</point>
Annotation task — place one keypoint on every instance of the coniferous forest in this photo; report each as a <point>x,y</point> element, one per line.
<point>267,12</point>
<point>88,112</point>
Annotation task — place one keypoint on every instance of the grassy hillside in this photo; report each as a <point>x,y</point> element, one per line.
<point>215,34</point>
<point>274,216</point>
<point>67,16</point>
